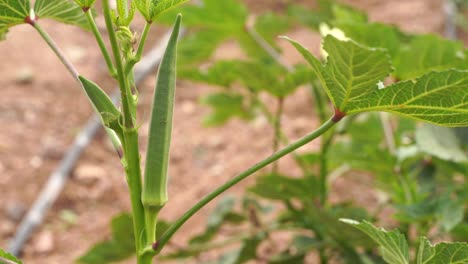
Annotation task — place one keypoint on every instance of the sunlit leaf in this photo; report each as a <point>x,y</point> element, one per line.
<point>393,245</point>
<point>151,9</point>
<point>85,3</point>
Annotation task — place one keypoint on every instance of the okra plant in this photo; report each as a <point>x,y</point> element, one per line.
<point>352,77</point>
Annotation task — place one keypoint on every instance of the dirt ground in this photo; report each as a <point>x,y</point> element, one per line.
<point>42,109</point>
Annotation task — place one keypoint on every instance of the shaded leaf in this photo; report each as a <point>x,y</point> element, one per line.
<point>225,106</point>
<point>427,53</point>
<point>440,142</point>
<point>393,245</point>
<point>12,13</point>
<point>221,214</point>
<point>279,187</point>
<point>65,11</point>
<point>121,246</point>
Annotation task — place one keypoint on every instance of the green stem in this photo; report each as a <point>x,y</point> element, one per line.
<point>125,92</point>
<point>320,105</point>
<point>325,147</point>
<point>277,130</point>
<point>282,136</point>
<point>133,173</point>
<point>281,153</point>
<point>134,60</point>
<point>57,51</point>
<point>100,41</point>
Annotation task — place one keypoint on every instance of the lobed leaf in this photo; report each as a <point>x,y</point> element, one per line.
<point>427,53</point>
<point>8,258</point>
<point>442,253</point>
<point>151,9</point>
<point>352,71</point>
<point>65,11</point>
<point>393,245</point>
<point>85,3</point>
<point>438,97</point>
<point>12,13</point>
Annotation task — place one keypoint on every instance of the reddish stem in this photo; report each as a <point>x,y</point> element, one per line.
<point>338,115</point>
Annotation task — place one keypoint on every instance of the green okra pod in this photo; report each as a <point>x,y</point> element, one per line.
<point>154,194</point>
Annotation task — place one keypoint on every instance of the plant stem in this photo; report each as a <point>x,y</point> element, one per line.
<point>57,51</point>
<point>325,146</point>
<point>141,46</point>
<point>100,41</point>
<point>133,173</point>
<point>277,130</point>
<point>124,89</point>
<point>281,153</point>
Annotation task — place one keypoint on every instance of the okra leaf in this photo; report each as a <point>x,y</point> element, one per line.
<point>224,107</point>
<point>12,13</point>
<point>427,53</point>
<point>160,130</point>
<point>351,72</point>
<point>121,245</point>
<point>440,142</point>
<point>393,244</point>
<point>85,3</point>
<point>65,11</point>
<point>8,258</point>
<point>442,253</point>
<point>279,187</point>
<point>151,9</point>
<point>352,78</point>
<point>437,97</point>
<point>102,104</point>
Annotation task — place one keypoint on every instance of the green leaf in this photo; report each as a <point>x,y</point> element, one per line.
<point>8,258</point>
<point>151,9</point>
<point>440,142</point>
<point>12,13</point>
<point>121,246</point>
<point>225,106</point>
<point>102,104</point>
<point>279,187</point>
<point>246,252</point>
<point>221,214</point>
<point>352,71</point>
<point>85,3</point>
<point>64,11</point>
<point>438,97</point>
<point>427,53</point>
<point>393,245</point>
<point>442,253</point>
<point>160,130</point>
